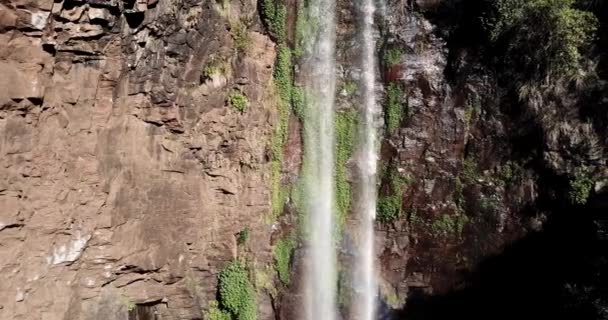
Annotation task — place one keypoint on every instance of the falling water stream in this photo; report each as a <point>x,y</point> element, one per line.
<point>320,290</point>
<point>319,82</point>
<point>365,277</point>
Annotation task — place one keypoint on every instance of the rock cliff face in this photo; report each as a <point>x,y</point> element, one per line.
<point>126,173</point>
<point>136,151</point>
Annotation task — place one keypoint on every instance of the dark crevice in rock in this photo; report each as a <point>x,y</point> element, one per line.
<point>12,226</point>
<point>134,19</point>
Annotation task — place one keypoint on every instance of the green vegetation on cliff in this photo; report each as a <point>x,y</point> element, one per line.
<point>390,204</point>
<point>580,186</point>
<point>238,100</point>
<point>237,294</point>
<point>450,225</point>
<point>392,56</point>
<point>215,313</point>
<point>283,251</point>
<point>275,16</point>
<point>395,110</point>
<point>240,34</point>
<point>283,83</point>
<point>543,38</point>
<point>345,131</point>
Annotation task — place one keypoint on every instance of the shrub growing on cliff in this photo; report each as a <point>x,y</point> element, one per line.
<point>390,206</point>
<point>392,56</point>
<point>283,252</point>
<point>394,109</point>
<point>240,34</point>
<point>243,236</point>
<point>450,225</point>
<point>215,313</point>
<point>275,16</point>
<point>237,294</point>
<point>238,100</point>
<point>283,84</point>
<point>345,130</point>
<point>543,38</point>
<point>580,187</point>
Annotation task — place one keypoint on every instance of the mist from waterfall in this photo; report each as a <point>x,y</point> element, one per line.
<point>319,83</point>
<point>365,273</point>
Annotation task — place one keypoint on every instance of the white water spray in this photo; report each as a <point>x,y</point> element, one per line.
<point>365,275</point>
<point>320,293</point>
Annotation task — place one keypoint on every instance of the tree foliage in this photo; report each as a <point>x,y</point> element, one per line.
<point>542,38</point>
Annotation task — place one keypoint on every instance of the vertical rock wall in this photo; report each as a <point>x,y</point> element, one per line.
<point>125,173</point>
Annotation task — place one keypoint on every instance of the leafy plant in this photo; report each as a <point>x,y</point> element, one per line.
<point>240,34</point>
<point>580,186</point>
<point>390,206</point>
<point>458,196</point>
<point>469,173</point>
<point>394,108</point>
<point>238,100</point>
<point>543,37</point>
<point>237,295</point>
<point>215,313</point>
<point>275,15</point>
<point>450,224</point>
<point>283,73</point>
<point>283,251</point>
<point>345,128</point>
<point>283,84</point>
<point>243,236</point>
<point>393,56</point>
<point>298,102</point>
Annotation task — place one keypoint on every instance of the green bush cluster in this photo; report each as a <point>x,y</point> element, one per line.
<point>283,252</point>
<point>237,294</point>
<point>215,313</point>
<point>345,130</point>
<point>283,75</point>
<point>275,16</point>
<point>469,174</point>
<point>238,100</point>
<point>450,224</point>
<point>580,186</point>
<point>298,102</point>
<point>395,110</point>
<point>243,236</point>
<point>390,206</point>
<point>283,83</point>
<point>240,34</point>
<point>392,56</point>
<point>543,37</point>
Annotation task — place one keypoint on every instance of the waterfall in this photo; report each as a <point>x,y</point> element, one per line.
<point>365,276</point>
<point>320,290</point>
<point>319,82</point>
